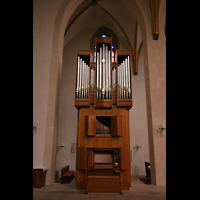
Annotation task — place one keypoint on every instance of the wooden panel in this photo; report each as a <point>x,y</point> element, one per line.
<point>122,52</point>
<point>90,125</point>
<point>113,65</point>
<point>82,102</point>
<point>106,103</point>
<point>116,125</point>
<point>81,185</point>
<point>91,98</point>
<point>105,172</point>
<point>124,103</point>
<point>83,52</point>
<point>38,178</point>
<point>123,158</point>
<point>81,162</point>
<point>107,40</point>
<point>103,184</point>
<point>90,158</point>
<point>125,186</point>
<point>114,98</point>
<point>104,143</point>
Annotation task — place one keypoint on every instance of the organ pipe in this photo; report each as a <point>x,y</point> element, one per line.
<point>103,84</point>
<point>109,75</point>
<point>98,81</point>
<point>104,72</point>
<point>77,85</point>
<point>129,78</point>
<point>82,86</point>
<point>124,85</point>
<point>100,68</point>
<point>114,79</point>
<point>106,75</point>
<point>119,75</point>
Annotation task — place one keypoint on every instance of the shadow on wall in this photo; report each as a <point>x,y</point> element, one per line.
<point>136,170</point>
<point>136,167</point>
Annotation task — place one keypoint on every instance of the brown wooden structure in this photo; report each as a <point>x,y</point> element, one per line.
<point>103,138</point>
<point>39,175</point>
<point>66,174</point>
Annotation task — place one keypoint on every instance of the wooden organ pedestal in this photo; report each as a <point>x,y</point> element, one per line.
<point>103,97</point>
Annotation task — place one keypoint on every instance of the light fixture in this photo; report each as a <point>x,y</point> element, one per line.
<point>61,146</point>
<point>137,147</point>
<point>162,129</point>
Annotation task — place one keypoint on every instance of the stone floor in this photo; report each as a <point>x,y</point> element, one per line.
<point>138,191</point>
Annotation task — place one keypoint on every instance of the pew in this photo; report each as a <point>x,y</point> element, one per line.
<point>66,174</point>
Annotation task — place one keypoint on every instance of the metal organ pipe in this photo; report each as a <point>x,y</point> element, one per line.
<point>121,76</point>
<point>97,75</point>
<point>84,78</point>
<point>126,70</point>
<point>124,80</point>
<point>80,81</point>
<point>77,84</point>
<point>109,75</point>
<point>114,80</point>
<point>100,68</point>
<point>124,86</point>
<point>106,71</point>
<point>82,87</point>
<point>103,73</point>
<point>129,78</point>
<point>118,82</point>
<point>87,81</point>
<point>92,79</point>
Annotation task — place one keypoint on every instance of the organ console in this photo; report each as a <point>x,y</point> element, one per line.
<point>103,97</point>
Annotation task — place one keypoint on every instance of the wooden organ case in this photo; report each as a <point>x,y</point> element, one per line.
<point>103,97</point>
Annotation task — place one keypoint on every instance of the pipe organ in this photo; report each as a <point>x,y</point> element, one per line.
<point>103,97</point>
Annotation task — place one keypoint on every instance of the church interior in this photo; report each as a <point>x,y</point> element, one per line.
<point>89,131</point>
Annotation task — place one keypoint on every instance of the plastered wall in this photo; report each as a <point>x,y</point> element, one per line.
<point>44,14</point>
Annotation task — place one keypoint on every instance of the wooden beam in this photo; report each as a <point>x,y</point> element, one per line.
<point>155,5</point>
<point>137,52</point>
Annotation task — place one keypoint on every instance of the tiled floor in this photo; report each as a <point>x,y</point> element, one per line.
<point>138,191</point>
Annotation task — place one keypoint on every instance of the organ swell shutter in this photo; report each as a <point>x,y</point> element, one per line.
<point>116,125</point>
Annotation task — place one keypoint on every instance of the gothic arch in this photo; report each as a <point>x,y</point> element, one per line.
<point>63,16</point>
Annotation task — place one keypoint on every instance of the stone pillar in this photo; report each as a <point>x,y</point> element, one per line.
<point>155,72</point>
